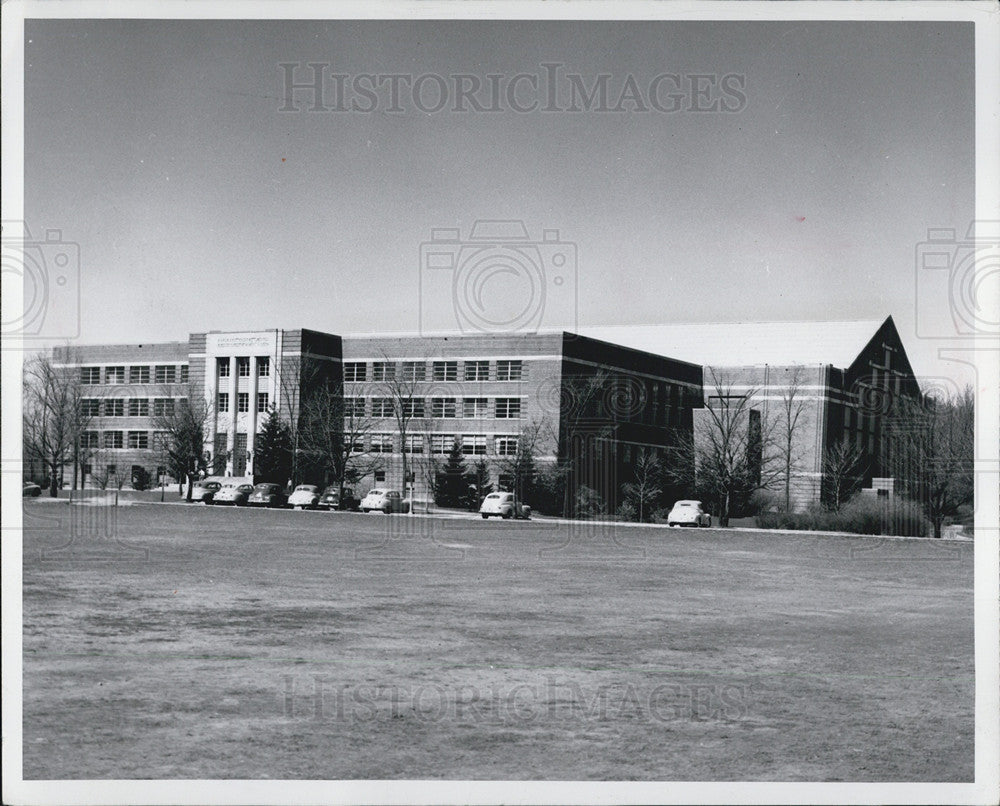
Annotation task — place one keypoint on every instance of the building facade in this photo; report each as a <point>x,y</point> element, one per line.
<point>590,405</point>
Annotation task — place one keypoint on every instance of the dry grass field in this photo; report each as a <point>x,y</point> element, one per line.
<point>199,642</point>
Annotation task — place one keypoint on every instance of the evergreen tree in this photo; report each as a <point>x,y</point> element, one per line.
<point>479,484</point>
<point>273,452</point>
<point>453,480</point>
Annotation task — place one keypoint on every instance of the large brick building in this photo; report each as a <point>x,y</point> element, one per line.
<point>592,402</point>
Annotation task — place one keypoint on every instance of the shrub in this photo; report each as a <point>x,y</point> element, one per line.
<point>141,479</point>
<point>863,515</point>
<point>589,503</point>
<point>627,512</point>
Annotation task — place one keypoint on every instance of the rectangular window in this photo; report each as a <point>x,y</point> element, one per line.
<point>242,402</point>
<point>138,374</point>
<point>88,470</point>
<point>114,375</point>
<point>445,371</point>
<point>381,407</point>
<point>509,371</point>
<point>477,407</point>
<point>114,439</point>
<point>379,476</point>
<point>477,370</point>
<point>506,446</point>
<point>114,407</point>
<point>138,439</point>
<point>444,407</point>
<point>111,471</point>
<point>89,376</point>
<point>138,407</point>
<point>90,439</point>
<point>474,444</point>
<point>90,407</point>
<point>414,407</point>
<point>263,401</point>
<point>508,408</point>
<point>383,371</point>
<point>354,407</point>
<point>441,443</point>
<point>163,407</point>
<point>184,373</point>
<point>223,367</point>
<point>355,371</point>
<point>243,366</point>
<point>263,366</point>
<point>414,443</point>
<point>166,373</point>
<point>414,371</point>
<point>223,403</point>
<point>381,443</point>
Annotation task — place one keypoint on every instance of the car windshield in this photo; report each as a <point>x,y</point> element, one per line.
<point>493,496</point>
<point>306,488</point>
<point>331,491</point>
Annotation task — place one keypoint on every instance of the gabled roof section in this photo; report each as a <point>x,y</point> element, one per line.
<point>748,343</point>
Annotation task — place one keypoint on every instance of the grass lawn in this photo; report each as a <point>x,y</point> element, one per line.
<point>202,642</point>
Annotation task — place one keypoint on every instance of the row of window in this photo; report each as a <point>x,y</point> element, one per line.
<point>502,408</point>
<point>112,440</point>
<point>131,407</point>
<point>439,444</point>
<point>242,402</point>
<point>357,371</point>
<point>158,373</point>
<point>243,367</point>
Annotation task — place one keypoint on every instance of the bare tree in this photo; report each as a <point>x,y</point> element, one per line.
<point>788,454</point>
<point>52,418</point>
<point>728,455</point>
<point>400,388</point>
<point>648,482</point>
<point>933,450</point>
<point>519,464</point>
<point>843,466</point>
<point>335,435</point>
<point>182,439</point>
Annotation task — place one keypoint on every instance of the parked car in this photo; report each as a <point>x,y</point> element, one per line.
<point>236,494</point>
<point>330,499</point>
<point>688,513</point>
<point>305,496</point>
<point>31,490</point>
<point>502,505</point>
<point>267,495</point>
<point>204,491</point>
<point>386,501</point>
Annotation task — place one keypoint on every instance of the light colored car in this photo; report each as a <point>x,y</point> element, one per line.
<point>688,513</point>
<point>234,494</point>
<point>31,490</point>
<point>502,505</point>
<point>204,491</point>
<point>386,501</point>
<point>305,496</point>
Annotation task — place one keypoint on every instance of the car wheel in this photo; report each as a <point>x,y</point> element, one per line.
<point>507,515</point>
<point>485,516</point>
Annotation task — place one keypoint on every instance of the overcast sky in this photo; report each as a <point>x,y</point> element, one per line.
<point>159,148</point>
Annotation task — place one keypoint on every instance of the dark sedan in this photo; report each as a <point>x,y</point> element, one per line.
<point>267,495</point>
<point>331,499</point>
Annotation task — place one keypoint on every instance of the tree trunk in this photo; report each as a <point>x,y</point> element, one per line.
<point>190,490</point>
<point>54,480</point>
<point>937,527</point>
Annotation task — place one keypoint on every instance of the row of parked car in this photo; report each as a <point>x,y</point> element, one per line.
<point>310,496</point>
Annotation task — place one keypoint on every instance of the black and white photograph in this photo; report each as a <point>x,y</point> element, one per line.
<point>501,402</point>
